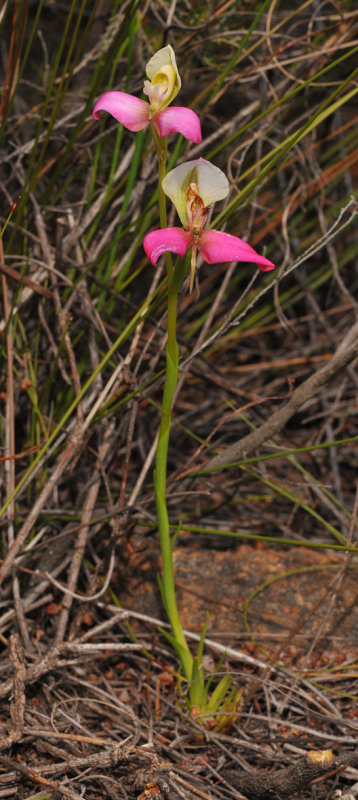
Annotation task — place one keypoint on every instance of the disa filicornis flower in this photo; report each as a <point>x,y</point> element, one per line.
<point>162,87</point>
<point>193,187</point>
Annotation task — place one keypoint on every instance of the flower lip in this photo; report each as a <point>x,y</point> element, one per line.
<point>161,88</point>
<point>196,211</point>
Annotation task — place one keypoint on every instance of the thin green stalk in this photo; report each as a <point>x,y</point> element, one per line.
<point>162,149</point>
<point>167,582</point>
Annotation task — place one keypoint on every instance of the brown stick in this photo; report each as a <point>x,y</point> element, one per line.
<point>8,561</point>
<point>346,352</point>
<point>22,279</point>
<point>57,789</point>
<point>17,706</point>
<point>315,765</point>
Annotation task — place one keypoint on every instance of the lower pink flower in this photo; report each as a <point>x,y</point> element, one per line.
<point>193,187</point>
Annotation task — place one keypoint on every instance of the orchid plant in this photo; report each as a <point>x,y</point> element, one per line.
<point>192,187</point>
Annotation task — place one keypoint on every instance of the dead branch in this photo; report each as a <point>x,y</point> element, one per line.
<point>17,706</point>
<point>56,658</point>
<point>346,352</point>
<point>314,766</point>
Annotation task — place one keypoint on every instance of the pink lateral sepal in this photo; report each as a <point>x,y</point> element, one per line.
<point>178,119</point>
<point>173,240</point>
<point>215,247</point>
<point>131,111</point>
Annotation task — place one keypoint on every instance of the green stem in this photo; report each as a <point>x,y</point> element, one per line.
<point>161,149</point>
<point>160,483</point>
<point>160,475</point>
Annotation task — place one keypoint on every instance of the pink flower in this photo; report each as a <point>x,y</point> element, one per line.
<point>193,187</point>
<point>163,86</point>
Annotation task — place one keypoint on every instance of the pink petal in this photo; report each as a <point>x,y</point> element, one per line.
<point>216,247</point>
<point>176,240</point>
<point>178,119</point>
<point>131,111</point>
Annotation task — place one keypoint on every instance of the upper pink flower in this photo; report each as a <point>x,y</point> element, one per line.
<point>163,86</point>
<point>193,187</point>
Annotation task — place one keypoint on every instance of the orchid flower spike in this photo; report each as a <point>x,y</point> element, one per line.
<point>161,88</point>
<point>193,187</point>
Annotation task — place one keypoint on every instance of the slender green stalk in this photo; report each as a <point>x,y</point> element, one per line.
<point>167,583</point>
<point>162,150</point>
